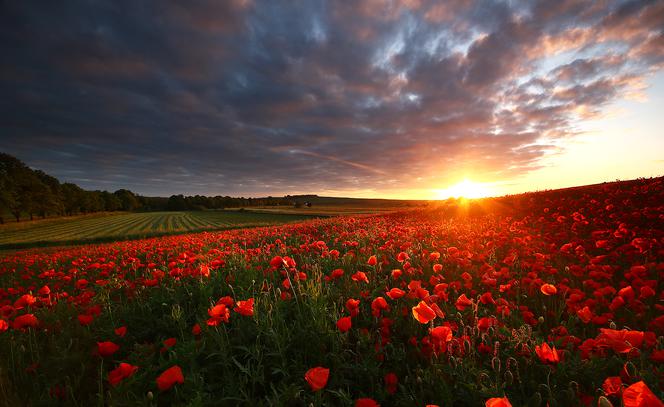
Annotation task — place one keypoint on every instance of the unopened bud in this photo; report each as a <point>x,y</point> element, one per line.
<point>604,402</point>
<point>150,396</point>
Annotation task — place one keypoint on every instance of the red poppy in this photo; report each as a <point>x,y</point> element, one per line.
<point>612,385</point>
<point>3,325</point>
<point>245,308</point>
<point>403,256</point>
<point>548,289</point>
<point>391,382</point>
<point>372,261</point>
<point>423,313</point>
<point>85,319</point>
<point>366,402</point>
<point>196,329</point>
<point>463,302</point>
<point>168,343</point>
<point>441,334</point>
<point>585,314</point>
<point>344,324</point>
<point>107,348</point>
<point>121,331</point>
<point>395,293</point>
<point>498,402</point>
<point>547,354</point>
<point>353,306</point>
<point>219,313</point>
<point>317,377</point>
<point>639,395</point>
<point>25,321</point>
<point>360,277</point>
<point>169,378</point>
<point>378,305</point>
<point>120,373</point>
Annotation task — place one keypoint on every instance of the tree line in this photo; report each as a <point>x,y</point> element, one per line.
<point>27,192</point>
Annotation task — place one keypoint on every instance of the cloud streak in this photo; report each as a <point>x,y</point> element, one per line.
<point>258,97</point>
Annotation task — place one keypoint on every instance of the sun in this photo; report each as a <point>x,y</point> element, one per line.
<point>464,189</point>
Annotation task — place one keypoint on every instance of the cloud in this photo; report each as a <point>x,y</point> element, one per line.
<point>269,97</point>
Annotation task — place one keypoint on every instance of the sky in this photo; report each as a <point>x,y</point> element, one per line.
<point>377,98</point>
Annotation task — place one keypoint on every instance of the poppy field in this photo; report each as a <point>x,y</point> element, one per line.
<point>109,227</point>
<point>550,298</point>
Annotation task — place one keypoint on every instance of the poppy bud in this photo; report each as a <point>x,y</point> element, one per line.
<point>483,377</point>
<point>604,402</point>
<point>466,346</point>
<point>540,320</point>
<point>150,395</point>
<point>495,364</point>
<point>613,326</point>
<point>574,387</point>
<point>453,362</point>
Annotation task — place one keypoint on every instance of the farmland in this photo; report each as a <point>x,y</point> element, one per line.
<point>108,227</point>
<point>552,298</point>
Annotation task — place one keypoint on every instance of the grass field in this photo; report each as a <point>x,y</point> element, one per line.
<point>108,227</point>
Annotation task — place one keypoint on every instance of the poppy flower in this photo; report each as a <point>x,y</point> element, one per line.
<point>378,305</point>
<point>344,324</point>
<point>107,348</point>
<point>548,289</point>
<point>123,371</point>
<point>403,256</point>
<point>121,331</point>
<point>585,314</point>
<point>317,377</point>
<point>612,385</point>
<point>85,319</point>
<point>391,382</point>
<point>639,395</point>
<point>168,343</point>
<point>395,293</point>
<point>463,302</point>
<point>372,261</point>
<point>169,378</point>
<point>3,325</point>
<point>353,306</point>
<point>441,334</point>
<point>360,277</point>
<point>245,308</point>
<point>423,313</point>
<point>196,330</point>
<point>219,313</point>
<point>25,321</point>
<point>366,402</point>
<point>498,402</point>
<point>547,354</point>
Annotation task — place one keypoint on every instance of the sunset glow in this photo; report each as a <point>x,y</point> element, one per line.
<point>464,189</point>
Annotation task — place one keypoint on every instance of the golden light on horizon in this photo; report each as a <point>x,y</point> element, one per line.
<point>464,189</point>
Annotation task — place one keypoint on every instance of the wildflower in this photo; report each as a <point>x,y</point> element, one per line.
<point>317,377</point>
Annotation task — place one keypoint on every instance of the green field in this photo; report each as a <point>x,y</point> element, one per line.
<point>107,227</point>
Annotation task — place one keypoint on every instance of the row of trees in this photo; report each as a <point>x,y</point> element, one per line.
<point>28,192</point>
<point>24,191</point>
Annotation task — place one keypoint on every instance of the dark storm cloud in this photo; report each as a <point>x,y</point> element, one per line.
<point>252,97</point>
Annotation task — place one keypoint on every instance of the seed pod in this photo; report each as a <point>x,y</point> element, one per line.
<point>540,320</point>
